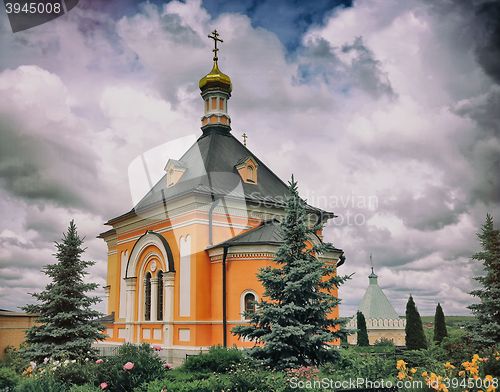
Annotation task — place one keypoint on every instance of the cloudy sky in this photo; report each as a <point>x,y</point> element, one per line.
<point>387,112</point>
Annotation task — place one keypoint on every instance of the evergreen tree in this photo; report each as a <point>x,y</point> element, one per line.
<point>440,331</point>
<point>66,325</point>
<point>485,330</point>
<point>415,337</point>
<point>362,331</point>
<point>292,320</point>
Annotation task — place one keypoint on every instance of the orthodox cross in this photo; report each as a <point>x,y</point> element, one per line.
<point>215,36</point>
<point>371,262</point>
<point>245,137</point>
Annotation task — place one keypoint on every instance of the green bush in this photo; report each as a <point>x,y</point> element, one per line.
<point>214,382</point>
<point>78,373</point>
<point>384,342</point>
<point>354,364</point>
<point>218,360</point>
<point>41,383</point>
<point>8,379</point>
<point>14,359</point>
<point>147,366</point>
<point>431,358</point>
<point>84,388</point>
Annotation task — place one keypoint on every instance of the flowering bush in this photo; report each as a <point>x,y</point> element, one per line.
<point>304,372</point>
<point>469,376</point>
<point>129,368</point>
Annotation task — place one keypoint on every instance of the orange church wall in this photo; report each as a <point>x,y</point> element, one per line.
<point>206,280</point>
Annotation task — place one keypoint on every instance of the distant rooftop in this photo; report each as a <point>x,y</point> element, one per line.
<point>375,304</point>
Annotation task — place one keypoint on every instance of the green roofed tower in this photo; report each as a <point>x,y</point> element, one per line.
<point>382,320</point>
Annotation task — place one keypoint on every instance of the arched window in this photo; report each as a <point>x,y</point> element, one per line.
<point>250,302</point>
<point>147,297</point>
<point>159,310</point>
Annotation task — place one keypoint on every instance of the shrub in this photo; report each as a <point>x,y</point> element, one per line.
<point>8,379</point>
<point>14,359</point>
<point>218,360</point>
<point>77,373</point>
<point>146,366</point>
<point>212,383</point>
<point>41,383</point>
<point>384,342</point>
<point>84,388</point>
<point>354,364</point>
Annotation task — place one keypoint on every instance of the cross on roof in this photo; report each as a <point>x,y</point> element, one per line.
<point>245,137</point>
<point>215,36</point>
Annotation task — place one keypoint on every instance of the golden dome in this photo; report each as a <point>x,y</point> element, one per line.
<point>217,78</point>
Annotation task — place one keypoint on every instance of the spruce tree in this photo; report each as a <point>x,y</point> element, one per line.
<point>293,319</point>
<point>362,331</point>
<point>485,330</point>
<point>67,323</point>
<point>440,331</point>
<point>415,336</point>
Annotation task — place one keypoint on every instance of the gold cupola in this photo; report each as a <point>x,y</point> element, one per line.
<point>215,90</point>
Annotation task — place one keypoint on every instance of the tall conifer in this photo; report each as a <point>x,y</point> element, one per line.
<point>415,337</point>
<point>440,331</point>
<point>362,331</point>
<point>293,319</point>
<point>485,330</point>
<point>67,323</point>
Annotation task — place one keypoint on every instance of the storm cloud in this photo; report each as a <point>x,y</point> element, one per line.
<point>386,113</point>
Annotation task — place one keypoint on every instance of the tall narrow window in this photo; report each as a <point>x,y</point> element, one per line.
<point>147,297</point>
<point>221,104</point>
<point>214,103</point>
<point>250,174</point>
<point>249,302</point>
<point>159,310</point>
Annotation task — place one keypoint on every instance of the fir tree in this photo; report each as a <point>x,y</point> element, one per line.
<point>362,331</point>
<point>415,337</point>
<point>292,320</point>
<point>440,331</point>
<point>485,330</point>
<point>67,324</point>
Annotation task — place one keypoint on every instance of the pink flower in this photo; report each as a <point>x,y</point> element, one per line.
<point>103,385</point>
<point>99,361</point>
<point>128,366</point>
<point>167,366</point>
<point>157,347</point>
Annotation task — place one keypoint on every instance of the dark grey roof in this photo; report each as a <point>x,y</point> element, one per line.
<point>210,167</point>
<point>268,232</point>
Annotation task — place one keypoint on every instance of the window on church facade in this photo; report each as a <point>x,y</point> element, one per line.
<point>147,297</point>
<point>250,302</point>
<point>159,310</point>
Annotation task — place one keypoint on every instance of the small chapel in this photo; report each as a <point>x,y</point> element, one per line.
<point>182,263</point>
<point>382,320</point>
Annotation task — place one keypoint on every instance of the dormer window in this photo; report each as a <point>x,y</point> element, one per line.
<point>175,170</point>
<point>247,169</point>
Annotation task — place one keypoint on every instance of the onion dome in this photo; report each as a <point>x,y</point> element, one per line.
<point>215,79</point>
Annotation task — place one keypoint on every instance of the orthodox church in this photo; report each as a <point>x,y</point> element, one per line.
<point>382,320</point>
<point>182,263</point>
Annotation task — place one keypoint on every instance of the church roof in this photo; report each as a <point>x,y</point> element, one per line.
<point>375,304</point>
<point>210,168</point>
<point>267,233</point>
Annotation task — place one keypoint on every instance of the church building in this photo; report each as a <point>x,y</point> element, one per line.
<point>182,263</point>
<point>382,320</point>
